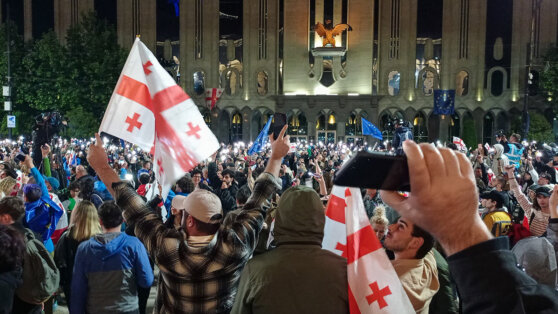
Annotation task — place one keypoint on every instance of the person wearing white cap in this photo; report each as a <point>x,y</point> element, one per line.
<point>200,264</point>
<point>177,206</point>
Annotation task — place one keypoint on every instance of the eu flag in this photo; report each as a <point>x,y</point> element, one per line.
<point>261,140</point>
<point>370,129</point>
<point>444,102</point>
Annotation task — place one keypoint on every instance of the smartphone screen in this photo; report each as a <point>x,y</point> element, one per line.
<point>375,171</point>
<point>279,121</point>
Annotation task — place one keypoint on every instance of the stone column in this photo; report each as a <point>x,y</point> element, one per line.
<point>68,13</point>
<point>137,17</point>
<point>27,20</point>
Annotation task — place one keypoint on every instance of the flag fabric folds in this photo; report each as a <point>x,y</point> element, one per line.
<point>444,102</point>
<point>370,129</point>
<point>374,286</point>
<point>459,143</point>
<point>149,110</point>
<point>212,96</point>
<point>262,138</point>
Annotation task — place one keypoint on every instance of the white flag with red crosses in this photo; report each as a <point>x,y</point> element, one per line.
<point>148,109</point>
<point>373,283</point>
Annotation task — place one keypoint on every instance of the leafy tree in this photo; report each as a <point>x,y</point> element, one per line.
<point>540,129</point>
<point>44,74</point>
<point>469,135</point>
<point>549,77</point>
<point>17,51</point>
<point>95,61</point>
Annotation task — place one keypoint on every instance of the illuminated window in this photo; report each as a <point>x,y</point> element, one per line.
<point>462,83</point>
<point>393,83</point>
<point>199,82</point>
<point>236,132</point>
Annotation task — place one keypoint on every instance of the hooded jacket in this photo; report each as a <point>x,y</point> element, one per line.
<point>107,270</point>
<point>500,160</point>
<point>298,276</point>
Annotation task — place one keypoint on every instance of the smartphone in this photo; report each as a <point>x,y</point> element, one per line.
<point>375,171</point>
<point>279,121</point>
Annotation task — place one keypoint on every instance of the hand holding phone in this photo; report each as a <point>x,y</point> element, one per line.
<point>375,171</point>
<point>279,121</point>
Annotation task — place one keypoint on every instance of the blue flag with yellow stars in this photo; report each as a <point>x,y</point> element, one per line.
<point>444,101</point>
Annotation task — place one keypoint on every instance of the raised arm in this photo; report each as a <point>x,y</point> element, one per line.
<point>483,268</point>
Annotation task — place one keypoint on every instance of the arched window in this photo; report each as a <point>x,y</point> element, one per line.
<point>393,83</point>
<point>420,132</point>
<point>488,128</point>
<point>455,127</point>
<point>236,132</point>
<point>497,81</point>
<point>429,82</point>
<point>199,82</point>
<point>331,123</point>
<point>462,83</point>
<point>262,83</point>
<point>297,124</point>
<point>320,122</point>
<point>207,117</point>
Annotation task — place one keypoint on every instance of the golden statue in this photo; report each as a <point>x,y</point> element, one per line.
<point>328,32</point>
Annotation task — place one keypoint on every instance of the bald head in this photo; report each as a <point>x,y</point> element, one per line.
<point>80,171</point>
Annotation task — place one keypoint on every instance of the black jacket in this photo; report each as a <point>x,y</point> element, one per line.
<point>9,281</point>
<point>488,281</point>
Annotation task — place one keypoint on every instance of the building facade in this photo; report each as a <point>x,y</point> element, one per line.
<point>267,57</point>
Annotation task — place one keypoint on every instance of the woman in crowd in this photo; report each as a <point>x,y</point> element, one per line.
<point>379,222</point>
<point>83,225</point>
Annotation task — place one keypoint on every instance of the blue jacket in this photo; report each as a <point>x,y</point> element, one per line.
<point>107,270</point>
<point>42,215</point>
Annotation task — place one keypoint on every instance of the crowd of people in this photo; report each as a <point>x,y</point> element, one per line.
<point>88,227</point>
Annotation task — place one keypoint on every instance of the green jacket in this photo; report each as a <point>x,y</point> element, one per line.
<point>298,276</point>
<point>444,301</point>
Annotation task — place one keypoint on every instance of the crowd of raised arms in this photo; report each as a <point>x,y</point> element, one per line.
<point>85,226</point>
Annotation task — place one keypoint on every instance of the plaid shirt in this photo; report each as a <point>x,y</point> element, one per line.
<point>198,279</point>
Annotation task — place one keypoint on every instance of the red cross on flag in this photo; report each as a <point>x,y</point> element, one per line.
<point>148,109</point>
<point>373,284</point>
<point>459,143</point>
<point>212,95</point>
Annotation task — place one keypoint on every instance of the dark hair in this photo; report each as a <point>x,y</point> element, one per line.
<point>144,178</point>
<point>185,184</point>
<point>204,227</point>
<point>12,248</point>
<point>86,186</point>
<point>32,192</point>
<point>228,172</point>
<point>452,146</point>
<point>74,185</point>
<point>196,171</point>
<point>12,206</point>
<point>517,136</point>
<point>243,194</point>
<point>428,243</point>
<point>110,214</point>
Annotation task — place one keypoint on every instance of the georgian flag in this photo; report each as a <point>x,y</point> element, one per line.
<point>373,283</point>
<point>459,143</point>
<point>212,96</point>
<point>149,110</point>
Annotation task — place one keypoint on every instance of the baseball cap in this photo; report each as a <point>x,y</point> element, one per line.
<point>534,187</point>
<point>178,202</point>
<point>494,196</point>
<point>545,175</point>
<point>544,190</point>
<point>205,206</point>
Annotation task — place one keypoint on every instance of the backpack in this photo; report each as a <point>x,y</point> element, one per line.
<point>40,275</point>
<point>519,231</point>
